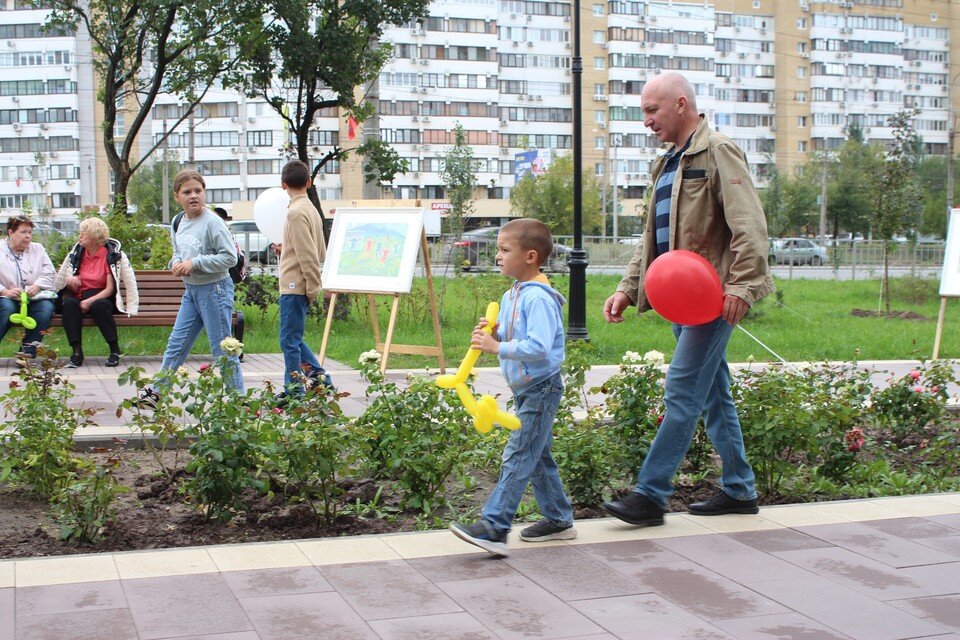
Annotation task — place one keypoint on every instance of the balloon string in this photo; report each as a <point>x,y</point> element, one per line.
<point>775,354</point>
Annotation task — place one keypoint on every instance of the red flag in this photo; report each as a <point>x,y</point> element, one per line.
<point>351,127</point>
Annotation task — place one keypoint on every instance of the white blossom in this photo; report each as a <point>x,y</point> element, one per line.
<point>370,357</point>
<point>231,346</point>
<point>654,358</point>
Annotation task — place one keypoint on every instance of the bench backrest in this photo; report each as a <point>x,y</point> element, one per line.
<point>159,291</point>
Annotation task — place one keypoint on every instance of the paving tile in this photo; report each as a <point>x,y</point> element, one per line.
<point>798,515</point>
<point>875,579</point>
<point>787,625</point>
<point>447,568</point>
<point>64,570</point>
<point>203,604</point>
<point>438,627</point>
<point>7,574</point>
<point>427,544</point>
<point>239,635</point>
<point>8,616</point>
<point>516,607</point>
<point>307,615</point>
<point>845,610</point>
<point>779,540</point>
<point>646,617</point>
<point>858,510</point>
<point>168,562</point>
<point>268,555</point>
<point>700,590</point>
<point>340,550</point>
<point>732,523</point>
<point>911,528</point>
<point>943,610</point>
<point>570,574</point>
<point>731,559</point>
<point>391,589</point>
<point>275,582</point>
<point>878,545</point>
<point>937,579</point>
<point>61,598</point>
<point>115,624</point>
<point>632,553</point>
<point>918,505</point>
<point>946,544</point>
<point>951,520</point>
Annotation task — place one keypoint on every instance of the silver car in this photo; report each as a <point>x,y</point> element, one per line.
<point>797,251</point>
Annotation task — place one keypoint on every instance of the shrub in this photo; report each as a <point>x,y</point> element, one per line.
<point>418,437</point>
<point>84,506</point>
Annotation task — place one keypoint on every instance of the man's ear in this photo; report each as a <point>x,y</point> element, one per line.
<point>283,185</point>
<point>309,183</point>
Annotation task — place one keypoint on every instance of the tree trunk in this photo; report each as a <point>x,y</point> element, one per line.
<point>886,277</point>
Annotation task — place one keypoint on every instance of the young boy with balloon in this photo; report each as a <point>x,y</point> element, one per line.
<point>529,340</point>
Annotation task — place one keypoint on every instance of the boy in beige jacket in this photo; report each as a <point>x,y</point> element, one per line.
<point>300,254</point>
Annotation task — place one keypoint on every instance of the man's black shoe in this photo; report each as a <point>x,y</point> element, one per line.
<point>637,509</point>
<point>722,504</point>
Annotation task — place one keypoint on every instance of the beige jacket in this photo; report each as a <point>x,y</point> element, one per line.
<point>714,211</point>
<point>303,249</point>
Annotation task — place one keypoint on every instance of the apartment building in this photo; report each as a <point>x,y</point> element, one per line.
<point>784,78</point>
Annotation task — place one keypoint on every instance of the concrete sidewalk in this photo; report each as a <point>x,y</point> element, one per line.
<point>97,387</point>
<point>883,569</point>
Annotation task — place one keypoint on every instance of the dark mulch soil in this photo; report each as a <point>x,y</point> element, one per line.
<point>896,315</point>
<point>154,515</point>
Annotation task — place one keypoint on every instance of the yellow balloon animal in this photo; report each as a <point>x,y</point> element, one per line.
<point>22,318</point>
<point>485,411</point>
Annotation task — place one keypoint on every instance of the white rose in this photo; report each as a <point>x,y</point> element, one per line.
<point>654,357</point>
<point>370,357</point>
<point>231,346</point>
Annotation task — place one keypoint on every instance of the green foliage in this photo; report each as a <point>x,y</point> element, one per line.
<point>260,291</point>
<point>40,426</point>
<point>307,450</point>
<point>903,409</point>
<point>85,505</point>
<point>146,189</point>
<point>459,174</point>
<point>549,198</point>
<point>582,444</point>
<point>417,438</point>
<point>634,403</point>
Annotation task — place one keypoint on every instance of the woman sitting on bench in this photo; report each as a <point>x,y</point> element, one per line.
<point>90,280</point>
<point>25,267</point>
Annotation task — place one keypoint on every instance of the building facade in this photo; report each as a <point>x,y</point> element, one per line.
<point>784,78</point>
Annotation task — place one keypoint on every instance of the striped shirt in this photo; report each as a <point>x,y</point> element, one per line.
<point>663,196</point>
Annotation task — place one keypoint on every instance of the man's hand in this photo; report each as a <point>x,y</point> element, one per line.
<point>734,309</point>
<point>277,248</point>
<point>614,306</point>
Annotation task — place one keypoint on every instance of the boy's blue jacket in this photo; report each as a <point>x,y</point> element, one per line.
<point>530,329</point>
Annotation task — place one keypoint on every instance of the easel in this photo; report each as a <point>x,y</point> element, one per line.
<point>387,346</point>
<point>949,275</point>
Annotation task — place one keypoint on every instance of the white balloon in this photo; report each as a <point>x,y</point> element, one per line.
<point>270,213</point>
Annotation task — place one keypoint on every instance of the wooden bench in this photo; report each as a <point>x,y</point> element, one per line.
<point>160,295</point>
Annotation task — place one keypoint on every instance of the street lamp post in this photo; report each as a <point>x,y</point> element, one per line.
<point>577,315</point>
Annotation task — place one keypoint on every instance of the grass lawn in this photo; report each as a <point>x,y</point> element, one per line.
<point>806,320</point>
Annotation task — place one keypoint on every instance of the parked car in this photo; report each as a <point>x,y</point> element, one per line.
<point>797,251</point>
<point>478,249</point>
<point>254,244</point>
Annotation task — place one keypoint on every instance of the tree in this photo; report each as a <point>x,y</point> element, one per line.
<point>896,190</point>
<point>142,48</point>
<point>460,176</point>
<point>932,174</point>
<point>315,55</point>
<point>849,202</point>
<point>146,188</point>
<point>549,198</point>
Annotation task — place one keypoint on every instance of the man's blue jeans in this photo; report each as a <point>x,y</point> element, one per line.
<point>204,307</point>
<point>527,459</point>
<point>296,352</point>
<point>698,382</point>
<point>39,310</point>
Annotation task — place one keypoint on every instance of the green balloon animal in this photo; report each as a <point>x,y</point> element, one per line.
<point>22,318</point>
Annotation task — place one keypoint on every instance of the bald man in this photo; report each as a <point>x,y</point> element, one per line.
<point>703,201</point>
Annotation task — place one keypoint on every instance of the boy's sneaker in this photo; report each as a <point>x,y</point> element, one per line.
<point>548,530</point>
<point>113,360</point>
<point>484,536</point>
<point>148,399</point>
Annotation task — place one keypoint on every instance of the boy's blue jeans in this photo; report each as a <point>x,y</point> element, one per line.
<point>527,459</point>
<point>296,352</point>
<point>209,307</point>
<point>39,310</point>
<point>698,382</point>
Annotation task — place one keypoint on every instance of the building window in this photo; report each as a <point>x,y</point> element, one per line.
<point>598,37</point>
<point>802,121</point>
<point>598,168</point>
<point>599,116</point>
<point>802,147</point>
<point>599,142</point>
<point>598,10</point>
<point>801,72</point>
<point>801,23</point>
<point>599,62</point>
<point>801,96</point>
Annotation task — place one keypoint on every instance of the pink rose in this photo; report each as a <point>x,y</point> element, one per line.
<point>935,389</point>
<point>659,420</point>
<point>204,367</point>
<point>915,374</point>
<point>918,389</point>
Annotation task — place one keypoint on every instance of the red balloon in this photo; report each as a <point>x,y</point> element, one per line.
<point>683,287</point>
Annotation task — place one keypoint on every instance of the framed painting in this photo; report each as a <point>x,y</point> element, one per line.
<point>373,250</point>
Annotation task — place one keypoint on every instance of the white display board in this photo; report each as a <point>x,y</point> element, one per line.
<point>950,275</point>
<point>373,250</point>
